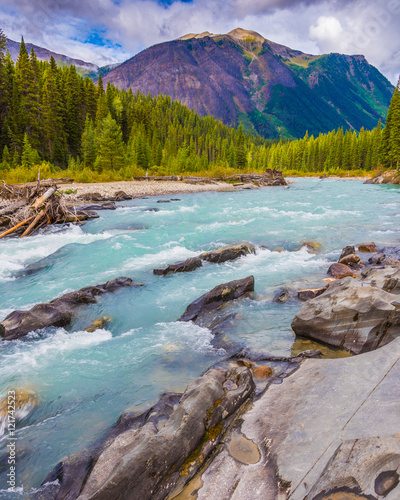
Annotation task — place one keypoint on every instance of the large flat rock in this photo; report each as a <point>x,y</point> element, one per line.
<point>358,315</point>
<point>332,427</point>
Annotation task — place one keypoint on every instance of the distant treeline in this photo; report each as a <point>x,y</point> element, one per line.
<point>366,150</point>
<point>53,117</point>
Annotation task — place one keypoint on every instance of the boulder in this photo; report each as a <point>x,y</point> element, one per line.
<point>339,271</point>
<point>330,430</point>
<point>146,458</point>
<point>121,196</point>
<point>282,295</point>
<point>349,250</point>
<point>352,315</point>
<point>218,296</point>
<point>367,247</point>
<point>58,312</point>
<point>377,259</point>
<point>310,293</point>
<point>349,260</point>
<point>184,266</point>
<point>228,253</point>
<point>388,278</point>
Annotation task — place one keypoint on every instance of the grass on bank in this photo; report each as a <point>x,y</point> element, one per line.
<point>22,174</point>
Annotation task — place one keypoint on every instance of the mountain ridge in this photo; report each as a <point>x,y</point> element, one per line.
<point>243,77</point>
<point>44,54</point>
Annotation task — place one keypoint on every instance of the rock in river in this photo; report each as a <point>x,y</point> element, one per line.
<point>353,314</point>
<point>340,271</point>
<point>58,312</point>
<point>227,253</point>
<point>149,456</point>
<point>329,431</point>
<point>214,299</point>
<point>184,266</point>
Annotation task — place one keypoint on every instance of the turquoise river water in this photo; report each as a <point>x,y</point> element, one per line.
<point>83,380</point>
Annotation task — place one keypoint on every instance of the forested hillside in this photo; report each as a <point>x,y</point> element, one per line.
<point>51,116</point>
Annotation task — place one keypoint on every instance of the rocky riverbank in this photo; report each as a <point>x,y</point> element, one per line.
<point>388,177</point>
<point>262,427</point>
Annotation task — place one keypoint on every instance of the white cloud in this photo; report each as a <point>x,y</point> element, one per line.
<point>327,29</point>
<point>314,26</point>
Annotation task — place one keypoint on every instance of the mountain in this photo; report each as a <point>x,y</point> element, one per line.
<point>270,88</point>
<point>45,54</point>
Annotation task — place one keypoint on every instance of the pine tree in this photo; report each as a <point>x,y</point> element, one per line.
<point>30,156</point>
<point>110,154</point>
<point>89,147</point>
<point>394,145</point>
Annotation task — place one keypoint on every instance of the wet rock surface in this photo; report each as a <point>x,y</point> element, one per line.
<point>224,254</point>
<point>316,433</point>
<point>148,456</point>
<point>355,314</point>
<point>58,312</point>
<point>217,256</point>
<point>339,271</point>
<point>184,266</point>
<point>198,310</point>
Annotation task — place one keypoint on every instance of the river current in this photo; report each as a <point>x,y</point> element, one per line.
<point>84,381</point>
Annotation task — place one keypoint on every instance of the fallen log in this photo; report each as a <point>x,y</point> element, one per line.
<point>42,200</point>
<point>33,224</point>
<point>9,231</point>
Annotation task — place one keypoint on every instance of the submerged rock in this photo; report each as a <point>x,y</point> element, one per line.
<point>148,456</point>
<point>98,324</point>
<point>184,266</point>
<point>58,312</point>
<point>21,401</point>
<point>352,315</point>
<point>214,299</point>
<point>228,253</point>
<point>282,295</point>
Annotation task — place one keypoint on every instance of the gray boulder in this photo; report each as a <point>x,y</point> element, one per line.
<point>148,457</point>
<point>214,299</point>
<point>184,266</point>
<point>330,430</point>
<point>228,253</point>
<point>58,312</point>
<point>352,315</point>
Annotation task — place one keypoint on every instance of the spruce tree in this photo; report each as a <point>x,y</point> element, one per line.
<point>110,152</point>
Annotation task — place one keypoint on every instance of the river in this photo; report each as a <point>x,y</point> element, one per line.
<point>85,380</point>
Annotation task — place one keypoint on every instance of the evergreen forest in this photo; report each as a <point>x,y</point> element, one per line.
<point>54,119</point>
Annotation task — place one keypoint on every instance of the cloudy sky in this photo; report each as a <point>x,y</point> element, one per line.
<point>105,31</point>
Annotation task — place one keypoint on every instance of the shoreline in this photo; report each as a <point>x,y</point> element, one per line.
<point>144,189</point>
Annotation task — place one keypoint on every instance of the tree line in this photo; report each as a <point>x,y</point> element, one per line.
<point>341,150</point>
<point>54,115</point>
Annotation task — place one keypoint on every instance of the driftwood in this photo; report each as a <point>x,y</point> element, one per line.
<point>9,231</point>
<point>30,206</point>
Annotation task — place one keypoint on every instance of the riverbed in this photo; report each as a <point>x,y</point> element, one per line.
<point>83,380</point>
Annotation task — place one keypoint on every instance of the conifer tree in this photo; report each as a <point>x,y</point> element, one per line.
<point>110,153</point>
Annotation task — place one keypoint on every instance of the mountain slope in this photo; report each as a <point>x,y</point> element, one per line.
<point>270,88</point>
<point>45,54</point>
